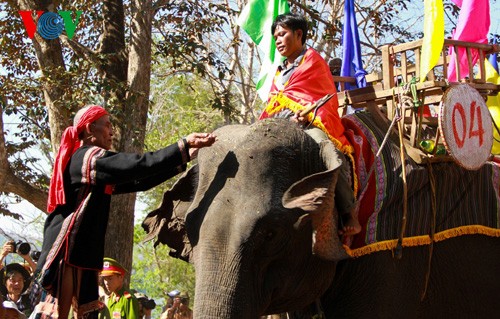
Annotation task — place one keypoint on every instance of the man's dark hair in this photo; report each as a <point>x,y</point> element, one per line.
<point>292,21</point>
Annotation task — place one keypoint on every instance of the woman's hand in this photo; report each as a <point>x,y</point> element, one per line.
<point>196,141</point>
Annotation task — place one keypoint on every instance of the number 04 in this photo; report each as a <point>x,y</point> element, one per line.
<point>461,135</point>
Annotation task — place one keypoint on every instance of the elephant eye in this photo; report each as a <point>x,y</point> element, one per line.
<point>271,238</point>
<point>270,235</point>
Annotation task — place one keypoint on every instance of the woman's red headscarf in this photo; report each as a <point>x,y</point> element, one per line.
<point>69,144</point>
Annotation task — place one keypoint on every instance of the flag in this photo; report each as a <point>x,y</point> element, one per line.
<point>256,19</point>
<point>494,57</point>
<point>352,65</point>
<point>433,41</point>
<point>493,102</point>
<point>473,26</point>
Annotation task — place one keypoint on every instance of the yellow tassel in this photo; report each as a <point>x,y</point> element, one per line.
<point>423,240</point>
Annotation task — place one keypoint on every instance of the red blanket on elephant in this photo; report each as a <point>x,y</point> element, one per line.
<point>467,202</point>
<point>311,81</point>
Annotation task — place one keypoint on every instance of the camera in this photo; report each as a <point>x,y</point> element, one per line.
<point>148,303</point>
<point>20,247</point>
<point>35,255</point>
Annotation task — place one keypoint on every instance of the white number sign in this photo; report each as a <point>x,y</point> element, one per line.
<point>466,126</point>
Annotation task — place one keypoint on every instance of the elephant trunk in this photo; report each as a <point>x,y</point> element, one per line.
<point>224,294</point>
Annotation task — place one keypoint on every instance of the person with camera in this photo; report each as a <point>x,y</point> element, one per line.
<point>22,249</point>
<point>170,299</point>
<point>180,308</point>
<point>15,279</point>
<point>146,305</point>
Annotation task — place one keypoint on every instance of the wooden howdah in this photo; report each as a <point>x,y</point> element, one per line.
<point>399,84</point>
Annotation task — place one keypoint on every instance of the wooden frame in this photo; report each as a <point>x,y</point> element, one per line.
<point>401,64</point>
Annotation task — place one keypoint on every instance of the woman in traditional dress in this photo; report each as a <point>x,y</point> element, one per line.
<point>85,175</point>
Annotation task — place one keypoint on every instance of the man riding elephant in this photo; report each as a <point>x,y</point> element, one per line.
<point>302,80</point>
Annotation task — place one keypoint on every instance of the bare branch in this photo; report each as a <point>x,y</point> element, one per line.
<point>81,50</point>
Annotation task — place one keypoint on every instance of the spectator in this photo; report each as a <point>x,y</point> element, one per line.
<point>170,299</point>
<point>180,308</point>
<point>146,305</point>
<point>15,280</point>
<point>9,248</point>
<point>85,175</point>
<point>335,66</point>
<point>121,303</point>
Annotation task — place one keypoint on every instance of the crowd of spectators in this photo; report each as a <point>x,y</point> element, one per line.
<point>17,292</point>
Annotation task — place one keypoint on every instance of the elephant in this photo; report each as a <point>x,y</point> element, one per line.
<point>257,218</point>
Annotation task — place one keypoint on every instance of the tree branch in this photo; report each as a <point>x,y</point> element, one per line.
<point>81,50</point>
<point>9,182</point>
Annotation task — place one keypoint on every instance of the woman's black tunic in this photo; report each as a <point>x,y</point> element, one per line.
<point>75,231</point>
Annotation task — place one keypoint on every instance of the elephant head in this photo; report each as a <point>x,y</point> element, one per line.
<point>256,217</point>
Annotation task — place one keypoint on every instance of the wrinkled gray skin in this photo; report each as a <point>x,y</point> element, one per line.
<point>256,217</point>
<point>246,245</point>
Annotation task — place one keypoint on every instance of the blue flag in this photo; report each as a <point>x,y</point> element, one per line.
<point>493,57</point>
<point>352,65</point>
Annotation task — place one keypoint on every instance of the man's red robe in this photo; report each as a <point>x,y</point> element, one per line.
<point>308,83</point>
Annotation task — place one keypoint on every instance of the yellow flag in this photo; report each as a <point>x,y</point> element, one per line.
<point>493,103</point>
<point>433,36</point>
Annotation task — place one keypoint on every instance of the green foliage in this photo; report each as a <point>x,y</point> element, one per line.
<point>155,273</point>
<point>181,104</point>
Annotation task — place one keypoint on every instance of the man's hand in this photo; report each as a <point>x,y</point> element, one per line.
<point>299,118</point>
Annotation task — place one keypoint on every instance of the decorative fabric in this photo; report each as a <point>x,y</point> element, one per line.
<point>493,101</point>
<point>69,144</point>
<point>256,19</point>
<point>311,81</point>
<point>468,202</point>
<point>65,240</point>
<point>432,44</point>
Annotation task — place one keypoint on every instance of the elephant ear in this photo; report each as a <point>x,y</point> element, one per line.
<point>167,222</point>
<point>314,194</point>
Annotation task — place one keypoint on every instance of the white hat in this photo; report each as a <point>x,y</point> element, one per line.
<point>12,305</point>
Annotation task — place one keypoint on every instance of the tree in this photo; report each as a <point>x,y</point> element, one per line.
<point>108,64</point>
